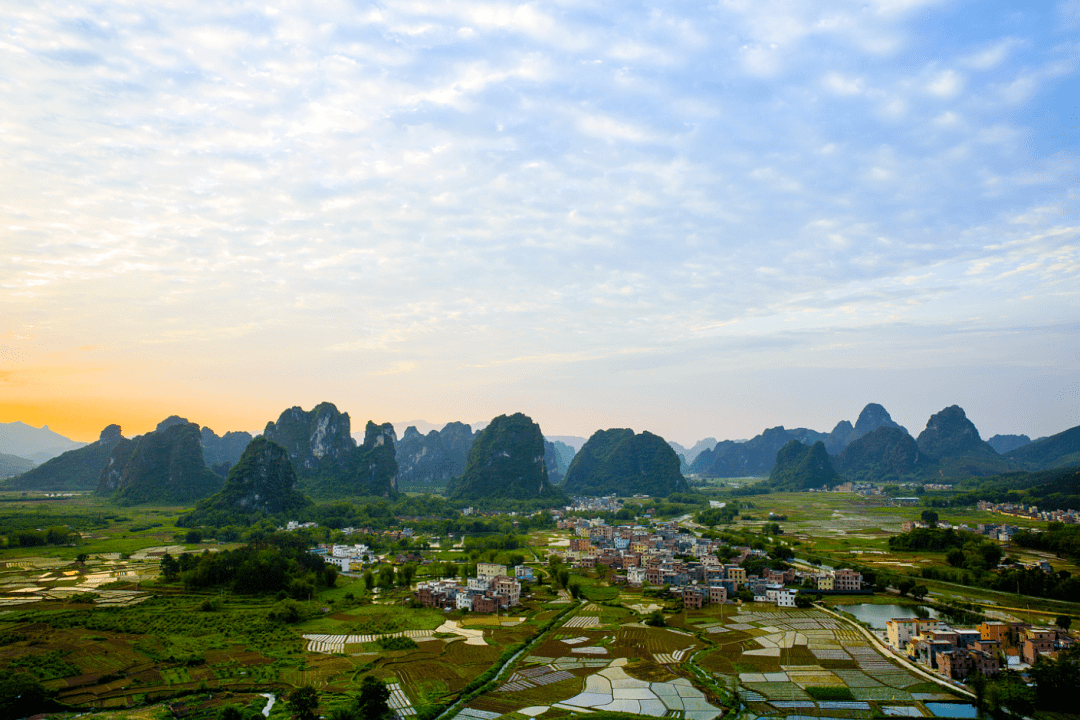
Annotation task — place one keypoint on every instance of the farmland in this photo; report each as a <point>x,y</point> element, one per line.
<point>98,626</point>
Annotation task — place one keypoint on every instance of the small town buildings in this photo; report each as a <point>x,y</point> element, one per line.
<point>900,631</point>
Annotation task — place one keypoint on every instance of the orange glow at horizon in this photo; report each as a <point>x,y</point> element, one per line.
<point>83,419</point>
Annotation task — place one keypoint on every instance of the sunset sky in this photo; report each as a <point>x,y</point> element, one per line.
<point>694,219</point>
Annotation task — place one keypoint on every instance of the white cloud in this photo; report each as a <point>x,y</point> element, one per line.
<point>486,182</point>
<point>945,84</point>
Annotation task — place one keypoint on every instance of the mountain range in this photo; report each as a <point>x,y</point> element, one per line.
<point>174,462</point>
<point>35,444</point>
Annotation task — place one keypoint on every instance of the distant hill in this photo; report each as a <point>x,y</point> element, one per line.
<point>428,462</point>
<point>422,426</point>
<point>886,454</point>
<point>872,417</point>
<point>263,482</point>
<point>949,433</point>
<point>690,454</point>
<point>13,465</point>
<point>618,461</point>
<point>1056,451</point>
<point>506,461</point>
<point>755,457</point>
<point>801,467</point>
<point>77,469</point>
<point>572,440</point>
<point>953,441</point>
<point>225,450</point>
<point>553,462</point>
<point>1006,443</point>
<point>37,444</point>
<point>163,467</point>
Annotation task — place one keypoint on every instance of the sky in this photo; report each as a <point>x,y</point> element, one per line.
<point>693,219</point>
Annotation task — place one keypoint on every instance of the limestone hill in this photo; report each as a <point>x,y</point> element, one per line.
<point>801,467</point>
<point>618,461</point>
<point>263,482</point>
<point>506,461</point>
<point>163,467</point>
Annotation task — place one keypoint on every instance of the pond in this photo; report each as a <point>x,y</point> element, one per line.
<point>877,615</point>
<point>951,710</point>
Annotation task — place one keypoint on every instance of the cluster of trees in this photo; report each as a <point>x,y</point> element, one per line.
<point>1025,581</point>
<point>38,538</point>
<point>717,516</point>
<point>1049,489</point>
<point>271,563</point>
<point>371,703</point>
<point>1059,538</point>
<point>1007,696</point>
<point>963,550</point>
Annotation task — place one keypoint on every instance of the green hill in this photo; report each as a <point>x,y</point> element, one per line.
<point>887,453</point>
<point>13,465</point>
<point>618,461</point>
<point>73,470</point>
<point>1056,451</point>
<point>327,460</point>
<point>165,467</point>
<point>262,483</point>
<point>801,467</point>
<point>506,462</point>
<point>376,466</point>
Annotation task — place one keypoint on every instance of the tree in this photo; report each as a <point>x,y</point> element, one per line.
<point>1057,680</point>
<point>21,695</point>
<point>170,567</point>
<point>920,591</point>
<point>656,619</point>
<point>906,585</point>
<point>929,517</point>
<point>373,703</point>
<point>978,684</point>
<point>1063,621</point>
<point>303,703</point>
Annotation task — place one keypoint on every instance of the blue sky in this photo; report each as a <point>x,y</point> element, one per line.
<point>696,219</point>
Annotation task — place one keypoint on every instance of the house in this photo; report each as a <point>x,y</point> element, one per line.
<point>900,631</point>
<point>490,570</point>
<point>847,580</point>
<point>960,664</point>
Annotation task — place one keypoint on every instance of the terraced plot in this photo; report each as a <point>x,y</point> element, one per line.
<point>777,654</point>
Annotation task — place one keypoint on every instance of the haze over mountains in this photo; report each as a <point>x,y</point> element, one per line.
<point>510,458</point>
<point>34,444</point>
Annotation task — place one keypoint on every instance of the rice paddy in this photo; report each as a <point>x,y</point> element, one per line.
<point>776,655</point>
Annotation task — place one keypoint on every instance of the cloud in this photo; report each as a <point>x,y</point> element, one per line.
<point>426,187</point>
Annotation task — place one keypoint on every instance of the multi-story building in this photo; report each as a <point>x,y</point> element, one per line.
<point>847,580</point>
<point>900,631</point>
<point>960,664</point>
